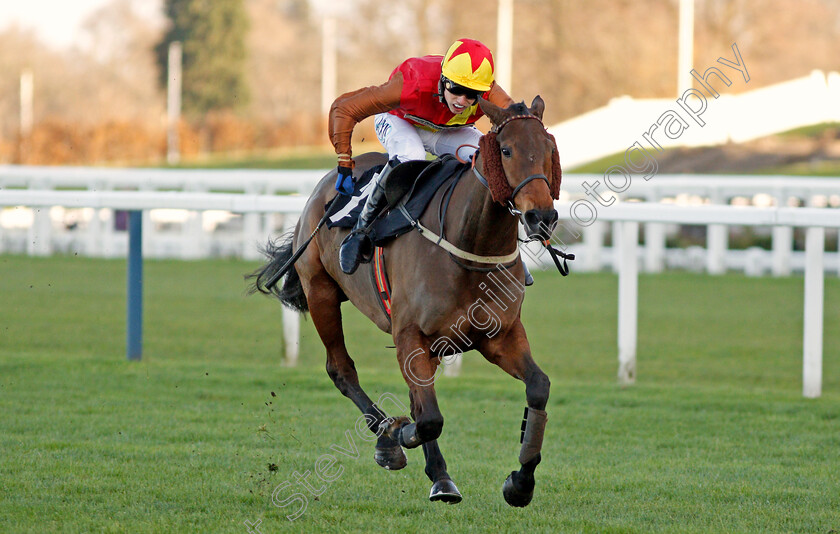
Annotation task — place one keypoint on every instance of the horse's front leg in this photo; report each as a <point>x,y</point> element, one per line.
<point>419,368</point>
<point>512,353</point>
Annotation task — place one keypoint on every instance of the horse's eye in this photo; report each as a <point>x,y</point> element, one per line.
<point>506,152</point>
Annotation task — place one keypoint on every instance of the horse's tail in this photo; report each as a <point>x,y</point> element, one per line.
<point>291,293</point>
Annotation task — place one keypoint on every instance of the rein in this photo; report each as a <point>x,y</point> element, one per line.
<point>454,252</point>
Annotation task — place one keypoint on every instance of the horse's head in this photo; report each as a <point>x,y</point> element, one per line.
<point>522,166</point>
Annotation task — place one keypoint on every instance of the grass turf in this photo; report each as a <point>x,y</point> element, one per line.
<point>715,436</point>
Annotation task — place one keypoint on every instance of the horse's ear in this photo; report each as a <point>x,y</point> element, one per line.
<point>537,107</point>
<point>493,112</point>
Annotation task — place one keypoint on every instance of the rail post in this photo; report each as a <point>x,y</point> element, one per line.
<point>134,324</point>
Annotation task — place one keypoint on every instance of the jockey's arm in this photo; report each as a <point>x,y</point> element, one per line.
<point>496,95</point>
<point>351,108</point>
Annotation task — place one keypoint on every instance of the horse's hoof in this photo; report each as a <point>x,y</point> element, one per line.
<point>388,427</point>
<point>391,458</point>
<point>518,492</point>
<point>445,490</point>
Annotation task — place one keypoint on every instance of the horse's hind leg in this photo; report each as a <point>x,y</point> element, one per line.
<point>512,353</point>
<point>323,295</point>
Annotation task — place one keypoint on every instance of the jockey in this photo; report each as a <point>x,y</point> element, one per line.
<point>428,104</point>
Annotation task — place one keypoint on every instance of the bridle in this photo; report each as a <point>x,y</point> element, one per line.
<point>499,261</point>
<point>555,254</point>
<point>510,204</point>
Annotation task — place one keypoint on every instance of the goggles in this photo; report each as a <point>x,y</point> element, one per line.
<point>460,90</point>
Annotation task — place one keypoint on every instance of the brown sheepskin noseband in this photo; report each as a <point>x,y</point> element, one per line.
<point>500,189</point>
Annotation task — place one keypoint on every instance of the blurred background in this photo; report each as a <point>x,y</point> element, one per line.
<point>253,70</point>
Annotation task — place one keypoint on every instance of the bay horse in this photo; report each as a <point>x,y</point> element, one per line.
<point>440,304</point>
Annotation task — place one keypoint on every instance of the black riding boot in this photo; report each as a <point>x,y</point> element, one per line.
<point>357,247</point>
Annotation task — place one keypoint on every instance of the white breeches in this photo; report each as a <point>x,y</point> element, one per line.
<point>406,142</point>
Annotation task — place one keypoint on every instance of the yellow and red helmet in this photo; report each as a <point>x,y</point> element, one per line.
<point>470,64</point>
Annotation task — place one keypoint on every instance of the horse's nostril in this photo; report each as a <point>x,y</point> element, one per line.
<point>540,222</point>
<point>531,218</point>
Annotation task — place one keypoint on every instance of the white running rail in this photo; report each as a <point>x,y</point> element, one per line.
<point>626,215</point>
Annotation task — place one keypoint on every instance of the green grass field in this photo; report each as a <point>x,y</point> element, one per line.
<point>714,437</point>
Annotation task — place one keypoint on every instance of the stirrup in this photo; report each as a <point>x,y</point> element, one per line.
<point>529,279</point>
<point>356,248</point>
<point>366,248</point>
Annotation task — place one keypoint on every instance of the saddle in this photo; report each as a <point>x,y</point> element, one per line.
<point>410,188</point>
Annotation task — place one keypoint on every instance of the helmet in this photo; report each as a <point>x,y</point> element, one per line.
<point>470,64</point>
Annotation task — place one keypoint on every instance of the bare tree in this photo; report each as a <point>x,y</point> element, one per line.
<point>120,42</point>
